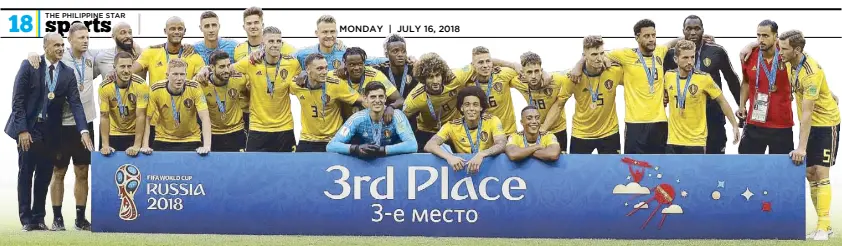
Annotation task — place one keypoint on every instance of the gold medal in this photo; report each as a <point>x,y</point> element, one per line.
<point>774,88</point>
<point>51,96</point>
<point>681,112</point>
<point>81,87</point>
<point>651,89</point>
<point>593,105</point>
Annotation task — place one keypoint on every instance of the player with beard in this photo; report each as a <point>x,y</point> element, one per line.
<point>154,60</point>
<point>223,90</point>
<point>209,25</point>
<point>378,137</point>
<point>253,25</point>
<point>328,46</point>
<point>688,95</point>
<point>818,114</point>
<point>122,105</point>
<point>104,58</point>
<point>595,124</point>
<point>356,75</point>
<point>321,102</point>
<point>470,134</point>
<point>542,93</point>
<point>496,82</point>
<point>530,142</point>
<point>433,101</point>
<point>713,60</point>
<point>177,102</point>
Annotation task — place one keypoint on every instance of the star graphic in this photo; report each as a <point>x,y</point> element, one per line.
<point>627,204</point>
<point>678,180</point>
<point>628,177</point>
<point>747,194</point>
<point>656,168</point>
<point>721,184</point>
<point>684,193</point>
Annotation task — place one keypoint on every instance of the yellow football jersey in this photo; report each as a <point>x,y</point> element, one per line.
<point>444,106</point>
<point>600,121</point>
<point>500,98</point>
<point>269,112</point>
<point>187,106</point>
<point>371,74</point>
<point>133,98</point>
<point>546,140</point>
<point>231,120</point>
<point>690,127</point>
<point>811,84</point>
<point>321,109</point>
<point>544,99</point>
<point>642,105</point>
<point>155,60</point>
<point>455,131</point>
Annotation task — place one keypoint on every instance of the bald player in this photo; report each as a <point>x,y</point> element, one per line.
<point>154,60</point>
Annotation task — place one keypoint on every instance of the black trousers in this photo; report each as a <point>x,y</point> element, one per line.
<point>35,164</point>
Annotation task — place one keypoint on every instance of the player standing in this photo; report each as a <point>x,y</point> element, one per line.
<point>530,142</point>
<point>469,134</point>
<point>543,94</point>
<point>356,75</point>
<point>496,82</point>
<point>222,95</point>
<point>270,126</point>
<point>154,60</point>
<point>688,102</point>
<point>595,124</point>
<point>713,60</point>
<point>209,24</point>
<point>766,86</point>
<point>433,101</point>
<point>321,102</point>
<point>329,46</point>
<point>123,100</point>
<point>177,102</point>
<point>378,137</point>
<point>818,114</point>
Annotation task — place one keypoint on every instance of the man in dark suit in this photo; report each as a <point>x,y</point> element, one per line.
<point>37,102</point>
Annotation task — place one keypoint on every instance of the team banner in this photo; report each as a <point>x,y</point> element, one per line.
<point>578,196</point>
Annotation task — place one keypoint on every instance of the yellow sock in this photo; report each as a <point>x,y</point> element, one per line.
<point>823,204</point>
<point>814,191</point>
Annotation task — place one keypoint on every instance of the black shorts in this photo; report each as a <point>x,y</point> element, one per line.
<point>561,136</point>
<point>175,146</point>
<point>606,145</point>
<point>681,149</point>
<point>119,143</point>
<point>151,133</point>
<point>646,138</point>
<point>231,142</point>
<point>755,139</point>
<point>717,139</point>
<point>71,147</point>
<point>307,146</point>
<point>423,137</point>
<point>270,141</point>
<point>246,122</point>
<point>822,145</point>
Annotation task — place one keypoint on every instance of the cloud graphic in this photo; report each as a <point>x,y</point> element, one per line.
<point>641,205</point>
<point>631,188</point>
<point>673,209</point>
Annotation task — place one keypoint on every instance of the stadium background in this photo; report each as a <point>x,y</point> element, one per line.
<point>506,33</point>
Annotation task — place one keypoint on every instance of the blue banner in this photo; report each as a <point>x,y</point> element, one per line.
<point>578,196</point>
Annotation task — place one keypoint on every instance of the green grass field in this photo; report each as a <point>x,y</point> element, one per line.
<point>15,237</point>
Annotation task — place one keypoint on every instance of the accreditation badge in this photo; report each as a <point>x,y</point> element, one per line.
<point>760,108</point>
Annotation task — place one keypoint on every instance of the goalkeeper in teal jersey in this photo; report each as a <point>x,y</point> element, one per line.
<point>377,139</point>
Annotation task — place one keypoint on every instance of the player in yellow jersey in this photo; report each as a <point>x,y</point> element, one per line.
<point>433,101</point>
<point>122,106</point>
<point>470,134</point>
<point>177,102</point>
<point>543,94</point>
<point>689,90</point>
<point>496,82</point>
<point>321,102</point>
<point>595,124</point>
<point>818,114</point>
<point>222,96</point>
<point>270,126</point>
<point>356,75</point>
<point>154,59</point>
<point>530,142</point>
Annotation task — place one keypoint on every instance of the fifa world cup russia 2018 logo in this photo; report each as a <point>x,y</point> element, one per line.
<point>127,179</point>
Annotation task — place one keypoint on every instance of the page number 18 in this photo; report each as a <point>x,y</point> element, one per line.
<point>22,24</point>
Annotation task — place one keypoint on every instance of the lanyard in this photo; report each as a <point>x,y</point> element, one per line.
<point>362,81</point>
<point>80,70</point>
<point>167,51</point>
<point>259,47</point>
<point>377,130</point>
<point>433,111</point>
<point>324,99</point>
<point>526,144</point>
<point>699,57</point>
<point>798,71</point>
<point>175,114</point>
<point>651,73</point>
<point>120,104</point>
<point>594,93</point>
<point>771,75</point>
<point>270,84</point>
<point>403,76</point>
<point>474,148</point>
<point>220,104</point>
<point>488,87</point>
<point>51,85</point>
<point>682,95</point>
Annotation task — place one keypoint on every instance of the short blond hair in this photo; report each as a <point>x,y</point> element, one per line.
<point>480,50</point>
<point>795,39</point>
<point>177,63</point>
<point>684,45</point>
<point>326,19</point>
<point>592,41</point>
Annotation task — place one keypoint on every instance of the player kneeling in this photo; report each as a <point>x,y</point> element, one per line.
<point>378,139</point>
<point>529,142</point>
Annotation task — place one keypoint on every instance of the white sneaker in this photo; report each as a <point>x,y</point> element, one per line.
<point>811,235</point>
<point>821,235</point>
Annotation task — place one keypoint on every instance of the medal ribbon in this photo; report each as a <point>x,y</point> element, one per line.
<point>771,75</point>
<point>474,148</point>
<point>650,72</point>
